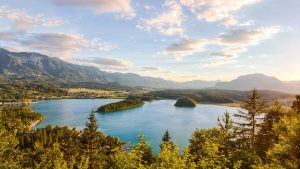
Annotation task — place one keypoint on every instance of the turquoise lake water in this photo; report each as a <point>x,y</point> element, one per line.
<point>151,120</point>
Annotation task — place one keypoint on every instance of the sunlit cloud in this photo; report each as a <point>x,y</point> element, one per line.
<point>154,69</point>
<point>23,21</point>
<point>105,63</point>
<point>59,45</point>
<point>121,7</point>
<point>186,47</point>
<point>237,41</point>
<point>216,62</point>
<point>246,37</point>
<point>167,23</point>
<point>217,11</point>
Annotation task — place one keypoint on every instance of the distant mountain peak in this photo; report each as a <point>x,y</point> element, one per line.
<point>259,81</point>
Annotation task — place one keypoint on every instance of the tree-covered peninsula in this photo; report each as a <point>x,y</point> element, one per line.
<point>185,102</point>
<point>122,105</point>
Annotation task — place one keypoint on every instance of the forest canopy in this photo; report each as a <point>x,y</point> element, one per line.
<point>121,105</point>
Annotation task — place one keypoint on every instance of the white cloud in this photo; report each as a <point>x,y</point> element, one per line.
<point>216,62</point>
<point>154,69</point>
<point>232,43</point>
<point>121,7</point>
<point>22,21</point>
<point>8,36</point>
<point>229,52</point>
<point>236,41</point>
<point>246,37</point>
<point>217,10</point>
<point>105,63</point>
<point>167,23</point>
<point>58,44</point>
<point>63,45</point>
<point>186,47</point>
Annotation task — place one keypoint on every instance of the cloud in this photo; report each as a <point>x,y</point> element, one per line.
<point>63,45</point>
<point>229,52</point>
<point>150,69</point>
<point>8,36</point>
<point>22,21</point>
<point>216,10</point>
<point>216,62</point>
<point>105,63</point>
<point>121,7</point>
<point>246,37</point>
<point>167,23</point>
<point>154,69</point>
<point>54,44</point>
<point>232,43</point>
<point>186,47</point>
<point>236,41</point>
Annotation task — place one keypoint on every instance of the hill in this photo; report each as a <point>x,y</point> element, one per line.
<point>222,96</point>
<point>260,82</point>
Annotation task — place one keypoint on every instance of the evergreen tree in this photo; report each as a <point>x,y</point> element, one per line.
<point>286,153</point>
<point>166,139</point>
<point>267,137</point>
<point>250,118</point>
<point>91,141</point>
<point>296,104</point>
<point>170,158</point>
<point>229,133</point>
<point>142,152</point>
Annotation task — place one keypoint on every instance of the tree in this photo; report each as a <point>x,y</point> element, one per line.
<point>166,139</point>
<point>267,137</point>
<point>9,154</point>
<point>286,153</point>
<point>250,118</point>
<point>170,158</point>
<point>91,141</point>
<point>142,153</point>
<point>229,133</point>
<point>296,104</point>
<point>206,146</point>
<point>52,158</point>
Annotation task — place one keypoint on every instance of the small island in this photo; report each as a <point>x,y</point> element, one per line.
<point>185,102</point>
<point>122,105</point>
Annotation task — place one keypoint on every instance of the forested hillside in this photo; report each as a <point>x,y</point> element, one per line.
<point>221,96</point>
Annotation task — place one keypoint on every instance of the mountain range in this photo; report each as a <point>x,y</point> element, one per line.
<point>37,66</point>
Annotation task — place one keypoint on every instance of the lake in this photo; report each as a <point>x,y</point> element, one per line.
<point>151,120</point>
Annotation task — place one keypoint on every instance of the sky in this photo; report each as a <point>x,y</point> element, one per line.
<point>180,40</point>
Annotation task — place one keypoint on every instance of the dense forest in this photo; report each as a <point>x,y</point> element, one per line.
<point>221,96</point>
<point>121,105</point>
<point>185,102</point>
<point>244,141</point>
<point>144,97</point>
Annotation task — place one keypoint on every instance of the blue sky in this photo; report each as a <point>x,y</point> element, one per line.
<point>179,40</point>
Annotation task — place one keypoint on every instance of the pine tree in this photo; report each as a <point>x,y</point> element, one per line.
<point>267,137</point>
<point>229,133</point>
<point>142,152</point>
<point>91,141</point>
<point>165,139</point>
<point>250,118</point>
<point>296,104</point>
